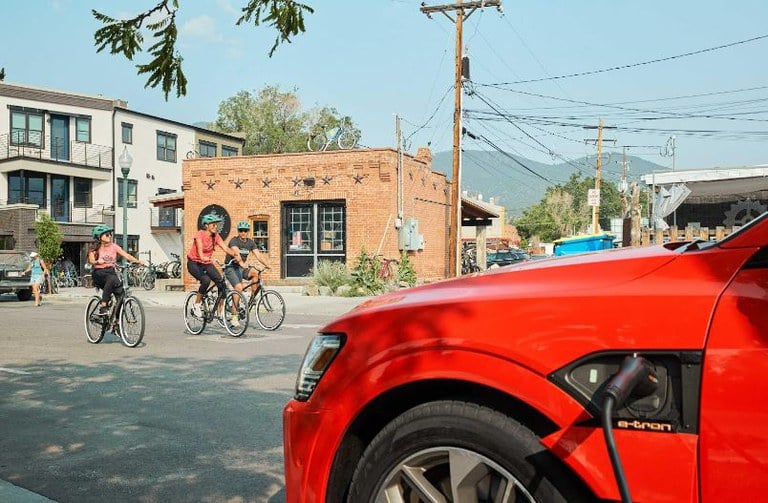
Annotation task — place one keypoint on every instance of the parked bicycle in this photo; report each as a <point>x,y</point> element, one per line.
<point>269,304</point>
<point>125,317</point>
<point>217,305</point>
<point>386,270</point>
<point>344,135</point>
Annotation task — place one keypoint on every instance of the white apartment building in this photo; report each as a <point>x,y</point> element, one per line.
<point>59,155</point>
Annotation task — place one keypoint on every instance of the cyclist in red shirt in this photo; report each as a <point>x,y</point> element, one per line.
<point>199,259</point>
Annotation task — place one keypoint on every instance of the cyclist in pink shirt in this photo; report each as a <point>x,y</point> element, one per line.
<point>102,255</point>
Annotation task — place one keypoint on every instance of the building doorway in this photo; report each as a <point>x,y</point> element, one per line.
<point>312,232</point>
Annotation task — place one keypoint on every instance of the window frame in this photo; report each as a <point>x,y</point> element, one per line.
<point>27,114</point>
<point>227,151</point>
<point>78,122</point>
<point>87,202</point>
<point>126,133</point>
<point>165,136</point>
<point>133,193</point>
<point>203,148</point>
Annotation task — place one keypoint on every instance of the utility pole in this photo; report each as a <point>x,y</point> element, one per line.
<point>624,188</point>
<point>596,206</point>
<point>462,10</point>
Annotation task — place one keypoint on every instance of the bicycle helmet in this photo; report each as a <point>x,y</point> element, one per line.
<point>211,218</point>
<point>243,225</point>
<point>101,229</point>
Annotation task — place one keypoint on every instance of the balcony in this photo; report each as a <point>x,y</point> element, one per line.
<point>44,148</point>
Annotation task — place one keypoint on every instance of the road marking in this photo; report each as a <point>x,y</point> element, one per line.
<point>12,371</point>
<point>242,340</point>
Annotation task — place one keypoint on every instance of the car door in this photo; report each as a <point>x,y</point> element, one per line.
<point>733,432</point>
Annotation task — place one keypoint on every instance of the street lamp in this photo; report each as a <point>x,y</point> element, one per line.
<point>125,160</point>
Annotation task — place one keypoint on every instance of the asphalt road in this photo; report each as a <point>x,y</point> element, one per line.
<point>179,418</point>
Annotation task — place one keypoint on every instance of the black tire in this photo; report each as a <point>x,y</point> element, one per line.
<point>493,452</point>
<point>148,282</point>
<point>95,325</point>
<point>194,324</point>
<point>24,295</point>
<point>176,270</point>
<point>270,311</point>
<point>316,142</point>
<point>235,318</point>
<point>132,322</point>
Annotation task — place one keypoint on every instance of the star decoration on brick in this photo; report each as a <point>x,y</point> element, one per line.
<point>265,182</point>
<point>238,183</point>
<point>210,184</point>
<point>327,179</point>
<point>423,180</point>
<point>445,190</point>
<point>410,175</point>
<point>296,181</point>
<point>358,179</point>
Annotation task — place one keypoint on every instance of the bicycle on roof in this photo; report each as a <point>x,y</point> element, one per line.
<point>321,137</point>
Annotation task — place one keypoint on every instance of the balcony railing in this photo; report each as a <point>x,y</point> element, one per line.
<point>33,145</point>
<point>70,213</point>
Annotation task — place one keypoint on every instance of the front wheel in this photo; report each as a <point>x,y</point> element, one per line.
<point>270,311</point>
<point>347,140</point>
<point>195,324</point>
<point>95,325</point>
<point>149,281</point>
<point>458,451</point>
<point>316,142</point>
<point>235,313</point>
<point>131,322</point>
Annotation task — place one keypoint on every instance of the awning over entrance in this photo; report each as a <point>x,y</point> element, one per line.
<point>172,200</point>
<point>474,213</point>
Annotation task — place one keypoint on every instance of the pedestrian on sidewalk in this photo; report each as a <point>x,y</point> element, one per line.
<point>39,270</point>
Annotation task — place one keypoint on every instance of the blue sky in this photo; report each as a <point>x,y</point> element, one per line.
<point>374,58</point>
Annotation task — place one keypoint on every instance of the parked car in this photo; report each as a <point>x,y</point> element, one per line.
<point>12,277</point>
<point>506,257</point>
<point>527,383</point>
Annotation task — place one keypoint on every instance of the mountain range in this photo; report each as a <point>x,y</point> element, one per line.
<point>517,183</point>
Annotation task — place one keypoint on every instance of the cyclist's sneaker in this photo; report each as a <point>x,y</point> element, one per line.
<point>235,322</point>
<point>197,311</point>
<point>103,311</point>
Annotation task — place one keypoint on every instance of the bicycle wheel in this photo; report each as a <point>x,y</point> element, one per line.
<point>194,324</point>
<point>176,270</point>
<point>131,322</point>
<point>316,142</point>
<point>235,314</point>
<point>95,325</point>
<point>149,281</point>
<point>270,311</point>
<point>347,140</point>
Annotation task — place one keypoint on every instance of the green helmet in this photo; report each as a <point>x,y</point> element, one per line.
<point>211,218</point>
<point>101,229</point>
<point>243,225</point>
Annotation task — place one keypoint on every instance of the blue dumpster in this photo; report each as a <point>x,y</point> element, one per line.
<point>582,244</point>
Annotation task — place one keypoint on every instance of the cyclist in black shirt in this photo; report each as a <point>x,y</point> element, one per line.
<point>243,245</point>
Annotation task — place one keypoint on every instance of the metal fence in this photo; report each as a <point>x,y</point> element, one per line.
<point>36,146</point>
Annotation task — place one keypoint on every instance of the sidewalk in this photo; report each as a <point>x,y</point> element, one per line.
<point>295,302</point>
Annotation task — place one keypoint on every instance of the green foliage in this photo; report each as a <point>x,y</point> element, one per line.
<point>331,274</point>
<point>365,275</point>
<point>49,239</point>
<point>272,121</point>
<point>286,16</point>
<point>125,36</point>
<point>406,273</point>
<point>564,210</point>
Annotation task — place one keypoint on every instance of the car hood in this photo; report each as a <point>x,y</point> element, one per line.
<point>546,313</point>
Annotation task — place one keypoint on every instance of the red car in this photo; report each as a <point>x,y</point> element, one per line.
<point>635,371</point>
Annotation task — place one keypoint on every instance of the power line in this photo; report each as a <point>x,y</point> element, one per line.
<point>624,67</point>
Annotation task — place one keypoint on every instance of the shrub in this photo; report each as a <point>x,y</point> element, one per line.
<point>405,273</point>
<point>331,274</point>
<point>365,275</point>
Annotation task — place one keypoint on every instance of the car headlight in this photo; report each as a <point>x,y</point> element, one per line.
<point>320,353</point>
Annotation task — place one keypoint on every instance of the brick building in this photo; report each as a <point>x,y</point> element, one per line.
<point>306,207</point>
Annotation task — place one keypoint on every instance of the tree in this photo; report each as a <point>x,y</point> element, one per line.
<point>272,121</point>
<point>564,210</point>
<point>125,36</point>
<point>49,239</point>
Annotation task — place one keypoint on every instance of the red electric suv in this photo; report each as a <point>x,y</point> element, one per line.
<point>633,374</point>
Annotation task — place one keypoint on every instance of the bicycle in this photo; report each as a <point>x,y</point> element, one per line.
<point>269,304</point>
<point>125,318</point>
<point>344,135</point>
<point>386,271</point>
<point>235,322</point>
